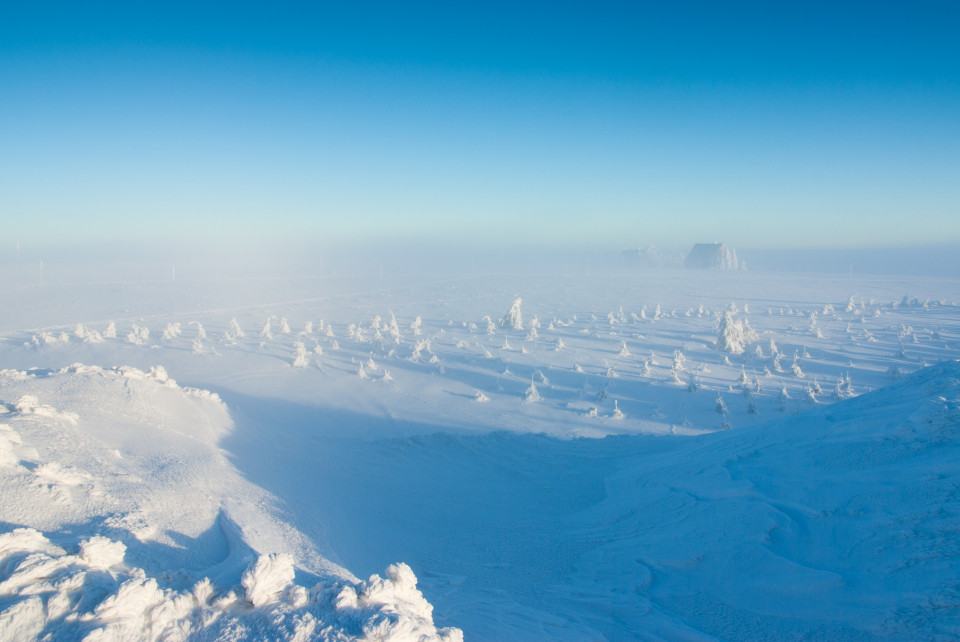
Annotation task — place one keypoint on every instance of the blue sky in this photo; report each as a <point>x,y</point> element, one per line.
<point>761,124</point>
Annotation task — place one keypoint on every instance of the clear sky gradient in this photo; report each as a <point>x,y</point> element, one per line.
<point>761,124</point>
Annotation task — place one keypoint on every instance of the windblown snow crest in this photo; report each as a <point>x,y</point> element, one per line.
<point>129,523</point>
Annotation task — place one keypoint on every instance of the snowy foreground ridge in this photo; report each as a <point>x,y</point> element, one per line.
<point>131,454</point>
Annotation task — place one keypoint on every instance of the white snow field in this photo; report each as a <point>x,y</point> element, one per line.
<point>615,455</point>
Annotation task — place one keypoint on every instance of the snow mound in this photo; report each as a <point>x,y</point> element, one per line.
<point>47,592</point>
<point>267,578</point>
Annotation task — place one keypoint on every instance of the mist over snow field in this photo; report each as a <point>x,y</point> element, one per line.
<point>612,455</point>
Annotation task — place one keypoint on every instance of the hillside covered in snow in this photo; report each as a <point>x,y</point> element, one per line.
<point>720,456</point>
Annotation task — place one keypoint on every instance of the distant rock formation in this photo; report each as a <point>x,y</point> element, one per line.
<point>712,256</point>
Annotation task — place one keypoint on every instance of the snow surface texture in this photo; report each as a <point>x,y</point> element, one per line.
<point>776,466</point>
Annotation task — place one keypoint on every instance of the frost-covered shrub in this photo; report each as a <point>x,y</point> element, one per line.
<point>267,332</point>
<point>415,326</point>
<point>138,335</point>
<point>624,352</point>
<point>721,407</point>
<point>284,326</point>
<point>235,330</point>
<point>678,360</point>
<point>300,358</point>
<point>795,368</point>
<point>419,347</point>
<point>782,398</point>
<point>201,333</point>
<point>393,329</point>
<point>617,413</point>
<point>531,395</point>
<point>843,388</point>
<point>172,331</point>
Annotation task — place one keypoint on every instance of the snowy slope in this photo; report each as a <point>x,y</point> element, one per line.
<point>124,520</point>
<point>838,522</point>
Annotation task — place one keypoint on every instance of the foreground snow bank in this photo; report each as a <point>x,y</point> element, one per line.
<point>125,521</point>
<point>92,595</point>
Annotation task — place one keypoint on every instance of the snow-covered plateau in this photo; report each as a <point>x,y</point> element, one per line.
<point>615,455</point>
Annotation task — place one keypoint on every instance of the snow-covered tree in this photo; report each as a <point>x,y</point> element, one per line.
<point>513,319</point>
<point>733,335</point>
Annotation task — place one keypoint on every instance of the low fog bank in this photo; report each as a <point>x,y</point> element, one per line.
<point>318,258</point>
<point>916,261</point>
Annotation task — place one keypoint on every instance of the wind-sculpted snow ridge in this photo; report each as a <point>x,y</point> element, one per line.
<point>124,521</point>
